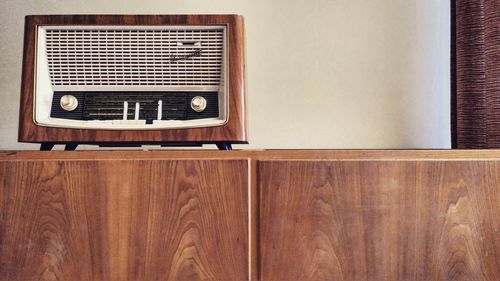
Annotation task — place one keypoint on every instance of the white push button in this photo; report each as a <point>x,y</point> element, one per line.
<point>137,108</point>
<point>125,110</point>
<point>160,109</point>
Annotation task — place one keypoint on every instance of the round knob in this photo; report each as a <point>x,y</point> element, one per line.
<point>198,103</point>
<point>68,102</point>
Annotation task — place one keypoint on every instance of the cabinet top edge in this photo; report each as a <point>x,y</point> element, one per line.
<point>262,155</point>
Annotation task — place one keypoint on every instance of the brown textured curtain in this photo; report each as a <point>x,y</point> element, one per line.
<point>475,72</point>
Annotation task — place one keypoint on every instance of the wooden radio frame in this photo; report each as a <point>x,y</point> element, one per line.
<point>233,131</point>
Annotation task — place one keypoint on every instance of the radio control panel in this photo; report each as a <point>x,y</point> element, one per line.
<point>134,107</point>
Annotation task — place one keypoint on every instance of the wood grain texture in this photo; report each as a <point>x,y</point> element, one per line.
<point>233,131</point>
<point>379,220</point>
<point>166,154</point>
<point>123,220</point>
<point>116,215</point>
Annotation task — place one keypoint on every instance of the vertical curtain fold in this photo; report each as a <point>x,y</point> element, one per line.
<point>492,75</point>
<point>476,56</point>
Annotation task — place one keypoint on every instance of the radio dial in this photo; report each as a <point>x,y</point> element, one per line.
<point>198,103</point>
<point>69,102</point>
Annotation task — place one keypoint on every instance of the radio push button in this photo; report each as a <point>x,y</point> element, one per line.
<point>198,103</point>
<point>125,110</point>
<point>68,102</point>
<point>137,108</point>
<point>160,110</point>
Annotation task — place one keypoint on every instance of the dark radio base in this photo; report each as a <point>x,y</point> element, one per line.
<point>47,146</point>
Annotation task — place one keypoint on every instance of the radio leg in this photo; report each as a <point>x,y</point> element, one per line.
<point>70,146</point>
<point>224,146</point>
<point>46,146</point>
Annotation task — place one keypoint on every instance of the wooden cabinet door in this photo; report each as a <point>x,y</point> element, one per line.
<point>379,220</point>
<point>124,220</point>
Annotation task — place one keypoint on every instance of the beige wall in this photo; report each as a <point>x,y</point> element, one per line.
<point>321,74</point>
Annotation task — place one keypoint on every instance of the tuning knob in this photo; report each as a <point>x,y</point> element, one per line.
<point>68,102</point>
<point>198,103</point>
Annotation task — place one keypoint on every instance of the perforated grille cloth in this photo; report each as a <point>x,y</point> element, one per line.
<point>135,57</point>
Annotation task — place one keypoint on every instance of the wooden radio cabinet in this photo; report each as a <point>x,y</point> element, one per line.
<point>133,79</point>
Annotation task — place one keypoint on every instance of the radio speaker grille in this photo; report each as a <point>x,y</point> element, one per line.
<point>135,57</point>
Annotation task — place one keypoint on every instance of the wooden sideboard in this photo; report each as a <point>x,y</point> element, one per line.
<point>250,215</point>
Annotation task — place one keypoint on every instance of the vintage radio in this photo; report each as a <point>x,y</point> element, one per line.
<point>133,79</point>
